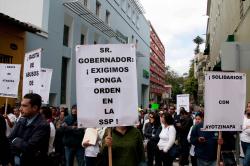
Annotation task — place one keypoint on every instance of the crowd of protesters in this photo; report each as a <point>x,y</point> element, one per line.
<point>183,132</point>
<point>33,134</point>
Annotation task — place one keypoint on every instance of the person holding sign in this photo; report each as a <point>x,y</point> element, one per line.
<point>245,138</point>
<point>205,143</point>
<point>127,146</point>
<point>91,144</point>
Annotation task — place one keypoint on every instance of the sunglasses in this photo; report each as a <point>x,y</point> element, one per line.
<point>248,114</point>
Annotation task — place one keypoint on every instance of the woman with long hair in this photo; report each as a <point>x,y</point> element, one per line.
<point>167,139</point>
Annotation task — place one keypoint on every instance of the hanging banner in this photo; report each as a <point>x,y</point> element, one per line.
<point>9,80</point>
<point>182,101</point>
<point>106,85</point>
<point>31,72</point>
<point>225,95</point>
<point>46,75</point>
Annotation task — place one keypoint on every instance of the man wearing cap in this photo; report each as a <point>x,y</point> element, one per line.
<point>30,138</point>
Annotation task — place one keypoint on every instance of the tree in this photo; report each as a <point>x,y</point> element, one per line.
<point>198,40</point>
<point>191,83</point>
<point>172,78</point>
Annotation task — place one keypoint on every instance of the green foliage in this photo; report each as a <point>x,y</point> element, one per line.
<point>191,83</point>
<point>198,40</point>
<point>172,78</point>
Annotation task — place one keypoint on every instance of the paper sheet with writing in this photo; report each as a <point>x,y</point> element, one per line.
<point>90,135</point>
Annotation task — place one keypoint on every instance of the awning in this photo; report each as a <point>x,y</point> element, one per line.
<point>77,7</point>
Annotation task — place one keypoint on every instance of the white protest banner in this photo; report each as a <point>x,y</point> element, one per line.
<point>182,101</point>
<point>106,85</point>
<point>46,75</point>
<point>9,80</point>
<point>225,95</point>
<point>31,72</point>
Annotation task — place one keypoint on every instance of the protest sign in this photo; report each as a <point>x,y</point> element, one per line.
<point>182,101</point>
<point>225,95</point>
<point>9,80</point>
<point>106,85</point>
<point>46,75</point>
<point>32,72</point>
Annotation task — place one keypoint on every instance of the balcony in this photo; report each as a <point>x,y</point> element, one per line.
<point>154,80</point>
<point>157,62</point>
<point>158,52</point>
<point>156,90</point>
<point>157,72</point>
<point>78,8</point>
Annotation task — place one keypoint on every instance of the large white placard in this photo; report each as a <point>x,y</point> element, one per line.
<point>106,85</point>
<point>46,75</point>
<point>225,95</point>
<point>182,101</point>
<point>9,80</point>
<point>32,72</point>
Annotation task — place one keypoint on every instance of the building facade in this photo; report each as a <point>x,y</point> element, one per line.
<point>200,61</point>
<point>157,67</point>
<point>228,36</point>
<point>12,47</point>
<point>66,24</point>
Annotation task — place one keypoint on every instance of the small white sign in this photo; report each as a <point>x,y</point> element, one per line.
<point>32,72</point>
<point>106,85</point>
<point>182,101</point>
<point>225,95</point>
<point>9,80</point>
<point>46,75</point>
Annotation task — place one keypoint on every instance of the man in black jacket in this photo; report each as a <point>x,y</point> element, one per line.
<point>30,138</point>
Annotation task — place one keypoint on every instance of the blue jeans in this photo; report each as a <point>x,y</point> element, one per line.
<point>246,150</point>
<point>77,152</point>
<point>201,162</point>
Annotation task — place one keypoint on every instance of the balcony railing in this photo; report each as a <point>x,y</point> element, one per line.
<point>78,8</point>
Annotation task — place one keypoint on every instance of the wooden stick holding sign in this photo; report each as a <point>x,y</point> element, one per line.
<point>110,148</point>
<point>219,148</point>
<point>6,106</point>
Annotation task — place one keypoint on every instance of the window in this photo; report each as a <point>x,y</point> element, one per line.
<point>5,58</point>
<point>129,10</point>
<point>66,35</point>
<point>82,41</point>
<point>107,17</point>
<point>136,43</point>
<point>132,38</point>
<point>64,79</point>
<point>133,16</point>
<point>137,21</point>
<point>98,7</point>
<point>85,3</point>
